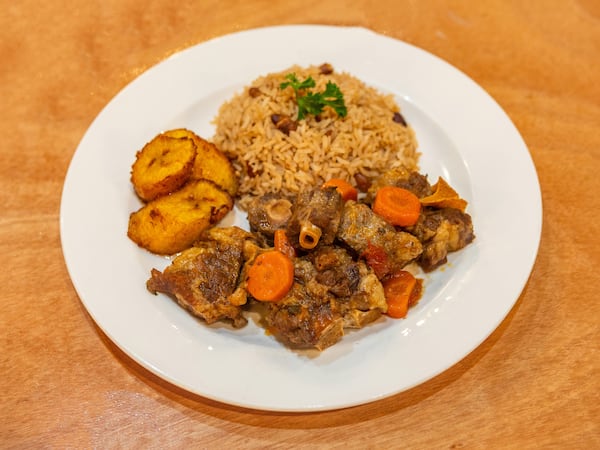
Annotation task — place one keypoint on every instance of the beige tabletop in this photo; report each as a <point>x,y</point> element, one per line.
<point>534,383</point>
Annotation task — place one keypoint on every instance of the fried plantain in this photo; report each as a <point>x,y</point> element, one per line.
<point>210,164</point>
<point>162,166</point>
<point>172,223</point>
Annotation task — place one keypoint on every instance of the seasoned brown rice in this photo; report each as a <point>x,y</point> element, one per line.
<point>366,141</point>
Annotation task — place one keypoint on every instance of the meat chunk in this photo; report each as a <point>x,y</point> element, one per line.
<point>206,279</point>
<point>352,283</point>
<point>330,292</point>
<point>301,323</point>
<point>336,269</point>
<point>317,209</point>
<point>404,178</point>
<point>367,303</point>
<point>385,249</point>
<point>441,231</point>
<point>268,213</point>
<point>308,316</point>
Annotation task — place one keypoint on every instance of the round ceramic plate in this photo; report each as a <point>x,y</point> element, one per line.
<point>463,135</point>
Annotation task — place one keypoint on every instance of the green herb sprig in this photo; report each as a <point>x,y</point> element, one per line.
<point>313,102</point>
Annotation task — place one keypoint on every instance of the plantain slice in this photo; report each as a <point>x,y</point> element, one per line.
<point>210,163</point>
<point>172,223</point>
<point>162,166</point>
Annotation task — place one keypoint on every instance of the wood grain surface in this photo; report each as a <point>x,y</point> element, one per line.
<point>534,383</point>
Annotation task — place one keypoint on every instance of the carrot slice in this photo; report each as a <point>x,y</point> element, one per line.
<point>397,290</point>
<point>397,205</point>
<point>283,244</point>
<point>270,277</point>
<point>346,190</point>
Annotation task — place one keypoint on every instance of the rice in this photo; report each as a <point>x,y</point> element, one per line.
<point>366,141</point>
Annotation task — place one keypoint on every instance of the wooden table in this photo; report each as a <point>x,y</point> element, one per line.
<point>534,383</point>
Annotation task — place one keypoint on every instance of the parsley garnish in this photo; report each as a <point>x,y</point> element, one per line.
<point>313,102</point>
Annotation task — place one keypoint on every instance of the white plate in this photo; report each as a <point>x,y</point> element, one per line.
<point>464,136</point>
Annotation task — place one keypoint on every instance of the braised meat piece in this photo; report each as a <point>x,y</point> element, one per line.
<point>316,216</point>
<point>367,303</point>
<point>385,249</point>
<point>441,231</point>
<point>354,285</point>
<point>302,323</point>
<point>404,178</point>
<point>206,279</point>
<point>308,316</point>
<point>268,213</point>
<point>336,269</point>
<point>330,292</point>
<point>351,282</point>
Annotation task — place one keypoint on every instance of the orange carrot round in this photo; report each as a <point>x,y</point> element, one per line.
<point>397,290</point>
<point>283,244</point>
<point>270,277</point>
<point>397,205</point>
<point>346,190</point>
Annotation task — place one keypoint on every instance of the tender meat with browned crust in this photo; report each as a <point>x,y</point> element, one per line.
<point>319,207</point>
<point>268,213</point>
<point>367,303</point>
<point>441,231</point>
<point>353,284</point>
<point>336,269</point>
<point>206,279</point>
<point>330,292</point>
<point>308,316</point>
<point>401,177</point>
<point>364,231</point>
